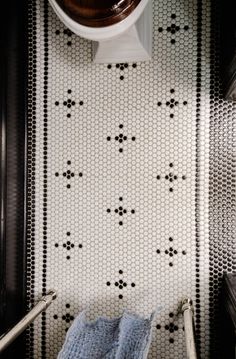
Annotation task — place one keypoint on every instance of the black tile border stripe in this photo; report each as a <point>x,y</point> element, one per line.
<point>197,182</point>
<point>31,164</point>
<point>45,166</point>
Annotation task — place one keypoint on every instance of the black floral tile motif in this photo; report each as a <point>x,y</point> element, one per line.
<point>69,103</point>
<point>121,67</point>
<point>194,46</point>
<point>171,252</point>
<point>68,175</point>
<point>120,284</point>
<point>121,211</point>
<point>67,34</point>
<point>171,177</point>
<point>121,138</point>
<point>171,103</point>
<point>173,29</point>
<point>171,327</point>
<point>67,318</point>
<point>68,245</point>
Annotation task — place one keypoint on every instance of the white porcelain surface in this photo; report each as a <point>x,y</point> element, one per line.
<point>133,45</point>
<point>102,33</point>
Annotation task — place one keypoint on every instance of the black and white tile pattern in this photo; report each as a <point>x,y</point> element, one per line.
<point>125,166</point>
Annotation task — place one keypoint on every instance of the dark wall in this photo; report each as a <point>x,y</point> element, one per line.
<point>13,86</point>
<point>228,47</point>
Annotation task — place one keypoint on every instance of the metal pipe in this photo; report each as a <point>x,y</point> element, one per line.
<point>12,334</point>
<point>187,311</point>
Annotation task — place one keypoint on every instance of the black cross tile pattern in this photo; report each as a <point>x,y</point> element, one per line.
<point>171,252</point>
<point>121,138</point>
<point>171,328</point>
<point>122,68</point>
<point>67,35</point>
<point>190,67</point>
<point>68,245</point>
<point>171,103</point>
<point>173,29</point>
<point>68,103</point>
<point>68,174</point>
<point>171,177</point>
<point>121,284</point>
<point>66,317</point>
<point>121,211</point>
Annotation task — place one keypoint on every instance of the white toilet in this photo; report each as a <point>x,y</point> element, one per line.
<point>128,40</point>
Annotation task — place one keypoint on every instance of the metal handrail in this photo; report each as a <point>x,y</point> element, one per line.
<point>188,314</point>
<point>12,334</point>
<point>186,309</point>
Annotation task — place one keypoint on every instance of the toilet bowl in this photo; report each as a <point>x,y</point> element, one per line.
<point>119,34</point>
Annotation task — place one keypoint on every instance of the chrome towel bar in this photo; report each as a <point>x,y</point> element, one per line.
<point>187,311</point>
<point>12,334</point>
<point>46,300</point>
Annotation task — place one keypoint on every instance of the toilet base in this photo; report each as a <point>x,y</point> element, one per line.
<point>133,45</point>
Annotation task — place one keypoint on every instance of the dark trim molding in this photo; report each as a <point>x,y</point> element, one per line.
<point>2,178</point>
<point>13,107</point>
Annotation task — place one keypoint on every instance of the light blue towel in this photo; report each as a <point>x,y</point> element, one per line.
<point>126,337</point>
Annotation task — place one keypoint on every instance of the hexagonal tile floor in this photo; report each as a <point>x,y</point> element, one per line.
<point>121,169</point>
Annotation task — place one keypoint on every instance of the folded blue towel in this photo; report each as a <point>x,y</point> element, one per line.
<point>126,337</point>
